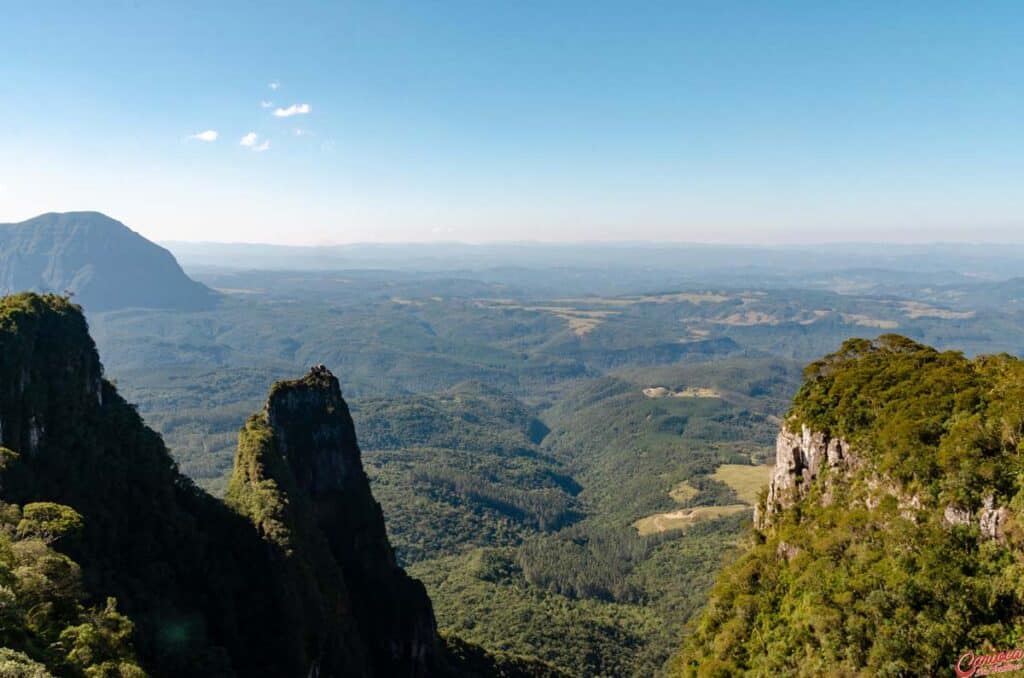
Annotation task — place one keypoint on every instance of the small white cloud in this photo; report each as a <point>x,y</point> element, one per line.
<point>294,109</point>
<point>273,84</point>
<point>252,141</point>
<point>208,135</point>
<point>299,132</point>
<point>266,104</point>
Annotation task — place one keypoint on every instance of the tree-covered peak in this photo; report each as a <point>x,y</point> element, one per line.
<point>318,378</point>
<point>900,562</point>
<point>29,311</point>
<point>844,391</point>
<point>935,419</point>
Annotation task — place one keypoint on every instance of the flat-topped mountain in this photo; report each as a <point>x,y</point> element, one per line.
<point>105,264</point>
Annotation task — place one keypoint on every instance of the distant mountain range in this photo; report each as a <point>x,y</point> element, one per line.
<point>938,271</point>
<point>939,261</point>
<point>105,264</point>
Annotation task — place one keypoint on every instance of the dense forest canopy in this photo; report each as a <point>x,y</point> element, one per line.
<point>573,448</point>
<point>114,564</point>
<point>887,567</point>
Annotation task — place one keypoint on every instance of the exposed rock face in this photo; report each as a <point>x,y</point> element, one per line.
<point>799,459</point>
<point>991,519</point>
<point>189,571</point>
<point>315,436</point>
<point>31,396</point>
<point>955,515</point>
<point>295,578</point>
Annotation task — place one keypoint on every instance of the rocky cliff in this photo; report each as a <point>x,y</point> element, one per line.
<point>800,458</point>
<point>890,540</point>
<point>292,576</point>
<point>811,460</point>
<point>301,456</point>
<point>182,565</point>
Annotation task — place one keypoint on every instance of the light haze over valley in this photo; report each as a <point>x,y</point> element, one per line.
<point>511,339</point>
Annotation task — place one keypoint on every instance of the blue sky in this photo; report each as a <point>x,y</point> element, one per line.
<point>717,121</point>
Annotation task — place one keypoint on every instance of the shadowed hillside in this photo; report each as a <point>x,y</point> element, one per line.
<point>108,553</point>
<point>101,261</point>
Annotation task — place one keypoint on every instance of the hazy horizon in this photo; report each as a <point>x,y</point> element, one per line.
<point>624,242</point>
<point>810,244</point>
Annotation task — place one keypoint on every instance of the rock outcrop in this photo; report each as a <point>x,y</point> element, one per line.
<point>906,515</point>
<point>293,577</point>
<point>303,449</point>
<point>800,457</point>
<point>990,518</point>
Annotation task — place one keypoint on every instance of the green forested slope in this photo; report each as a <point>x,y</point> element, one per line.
<point>461,467</point>
<point>179,562</point>
<point>47,621</point>
<point>897,564</point>
<point>293,576</point>
<point>455,466</point>
<point>620,598</point>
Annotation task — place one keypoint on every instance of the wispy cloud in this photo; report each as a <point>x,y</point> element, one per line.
<point>208,135</point>
<point>294,109</point>
<point>299,132</point>
<point>273,84</point>
<point>252,141</point>
<point>3,188</point>
<point>266,104</point>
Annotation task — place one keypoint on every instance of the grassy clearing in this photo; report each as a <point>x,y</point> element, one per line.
<point>683,492</point>
<point>401,301</point>
<point>580,325</point>
<point>747,319</point>
<point>684,518</point>
<point>868,321</point>
<point>656,392</point>
<point>674,298</point>
<point>697,392</point>
<point>579,321</point>
<point>812,317</point>
<point>916,309</point>
<point>745,481</point>
<point>692,392</point>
